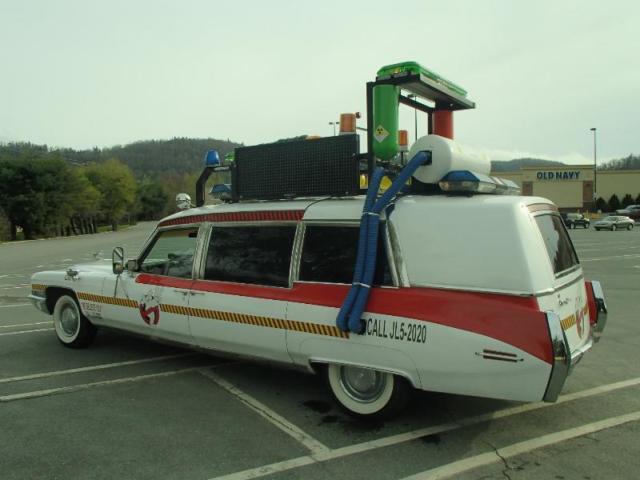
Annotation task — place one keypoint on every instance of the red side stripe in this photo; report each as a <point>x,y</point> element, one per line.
<point>514,320</point>
<point>266,216</point>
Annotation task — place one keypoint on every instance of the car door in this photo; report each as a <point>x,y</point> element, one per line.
<point>239,303</point>
<point>153,299</point>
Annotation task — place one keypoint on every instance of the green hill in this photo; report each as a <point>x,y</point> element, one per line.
<point>518,163</point>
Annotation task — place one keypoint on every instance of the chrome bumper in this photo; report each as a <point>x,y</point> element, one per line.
<point>601,306</point>
<point>40,303</point>
<point>561,365</point>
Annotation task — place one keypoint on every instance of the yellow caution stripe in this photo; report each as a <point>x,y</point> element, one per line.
<point>568,322</point>
<point>256,320</point>
<point>121,302</point>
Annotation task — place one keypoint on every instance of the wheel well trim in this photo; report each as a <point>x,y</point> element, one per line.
<point>316,362</point>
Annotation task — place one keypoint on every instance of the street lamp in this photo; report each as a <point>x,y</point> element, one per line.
<point>415,116</point>
<point>334,127</point>
<point>595,168</point>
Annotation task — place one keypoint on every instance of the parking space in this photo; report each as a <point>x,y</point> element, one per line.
<point>131,408</point>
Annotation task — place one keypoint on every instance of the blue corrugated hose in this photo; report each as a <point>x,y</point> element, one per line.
<point>363,274</point>
<point>347,305</point>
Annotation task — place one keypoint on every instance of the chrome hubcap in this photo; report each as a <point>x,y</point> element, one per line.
<point>69,320</point>
<point>362,384</point>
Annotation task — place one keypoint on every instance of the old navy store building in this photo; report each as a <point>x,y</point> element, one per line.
<point>571,187</point>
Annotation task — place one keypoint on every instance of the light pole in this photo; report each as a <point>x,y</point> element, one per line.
<point>415,116</point>
<point>334,127</point>
<point>595,167</point>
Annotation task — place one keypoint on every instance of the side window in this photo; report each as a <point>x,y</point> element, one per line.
<point>256,255</point>
<point>558,243</point>
<point>171,253</point>
<point>329,256</point>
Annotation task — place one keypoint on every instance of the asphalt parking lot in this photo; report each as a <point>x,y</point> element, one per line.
<point>130,408</point>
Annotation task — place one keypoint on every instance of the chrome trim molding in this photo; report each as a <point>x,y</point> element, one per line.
<point>561,358</point>
<point>601,306</point>
<point>578,354</point>
<point>40,303</point>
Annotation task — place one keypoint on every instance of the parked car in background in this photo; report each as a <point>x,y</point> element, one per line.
<point>574,220</point>
<point>632,211</point>
<point>614,222</point>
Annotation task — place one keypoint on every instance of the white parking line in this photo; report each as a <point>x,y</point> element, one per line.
<point>415,434</point>
<point>93,367</point>
<point>466,464</point>
<point>15,305</point>
<point>261,409</point>
<point>86,386</point>
<point>20,332</point>
<point>25,324</point>
<point>626,257</point>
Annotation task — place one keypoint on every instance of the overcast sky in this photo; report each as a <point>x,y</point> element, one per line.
<point>542,73</point>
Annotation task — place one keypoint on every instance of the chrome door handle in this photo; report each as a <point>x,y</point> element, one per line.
<point>196,293</point>
<point>183,292</point>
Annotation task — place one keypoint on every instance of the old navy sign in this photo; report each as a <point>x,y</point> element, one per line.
<point>567,175</point>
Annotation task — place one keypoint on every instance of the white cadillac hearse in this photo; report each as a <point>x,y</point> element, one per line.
<point>447,283</point>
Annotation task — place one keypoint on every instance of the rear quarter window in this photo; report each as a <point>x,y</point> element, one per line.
<point>329,255</point>
<point>557,242</point>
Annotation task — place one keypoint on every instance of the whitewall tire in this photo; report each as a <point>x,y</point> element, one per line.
<point>71,326</point>
<point>364,392</point>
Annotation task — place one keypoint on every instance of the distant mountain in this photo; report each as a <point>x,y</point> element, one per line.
<point>150,158</point>
<point>154,157</point>
<point>632,162</point>
<point>518,163</point>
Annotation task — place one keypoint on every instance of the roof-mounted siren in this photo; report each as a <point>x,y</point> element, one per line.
<point>212,163</point>
<point>458,169</point>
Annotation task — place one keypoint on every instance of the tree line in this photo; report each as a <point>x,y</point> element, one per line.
<point>43,195</point>
<point>50,192</point>
<point>614,203</point>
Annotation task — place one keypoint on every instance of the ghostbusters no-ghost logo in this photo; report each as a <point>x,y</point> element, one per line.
<point>150,309</point>
<point>579,318</point>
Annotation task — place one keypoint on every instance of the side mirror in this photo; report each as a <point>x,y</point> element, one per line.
<point>117,260</point>
<point>132,265</point>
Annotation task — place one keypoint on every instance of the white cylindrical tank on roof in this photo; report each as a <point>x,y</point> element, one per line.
<point>447,156</point>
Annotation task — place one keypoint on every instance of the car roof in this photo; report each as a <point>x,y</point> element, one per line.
<point>340,209</point>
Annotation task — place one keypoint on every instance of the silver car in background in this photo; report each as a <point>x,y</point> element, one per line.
<point>614,222</point>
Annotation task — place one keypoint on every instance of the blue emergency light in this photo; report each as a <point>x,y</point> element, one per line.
<point>464,181</point>
<point>212,159</point>
<point>221,191</point>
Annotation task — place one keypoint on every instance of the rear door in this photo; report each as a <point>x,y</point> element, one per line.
<point>569,298</point>
<point>239,302</point>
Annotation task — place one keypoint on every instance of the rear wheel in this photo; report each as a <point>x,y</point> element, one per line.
<point>367,393</point>
<point>630,227</point>
<point>613,228</point>
<point>71,326</point>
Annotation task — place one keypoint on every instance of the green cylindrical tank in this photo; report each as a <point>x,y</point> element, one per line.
<point>385,121</point>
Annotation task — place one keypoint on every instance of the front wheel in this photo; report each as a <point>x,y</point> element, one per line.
<point>71,326</point>
<point>367,393</point>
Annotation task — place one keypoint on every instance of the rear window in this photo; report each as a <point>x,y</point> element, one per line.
<point>559,246</point>
<point>255,255</point>
<point>329,255</point>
